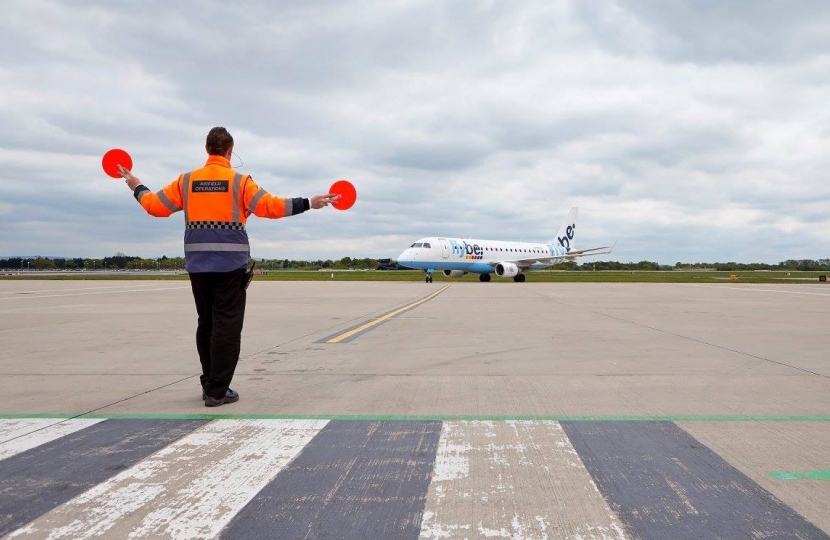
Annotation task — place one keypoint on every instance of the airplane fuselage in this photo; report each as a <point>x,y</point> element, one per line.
<point>477,256</point>
<point>455,257</point>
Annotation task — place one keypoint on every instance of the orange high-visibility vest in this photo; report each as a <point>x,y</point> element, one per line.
<point>217,202</point>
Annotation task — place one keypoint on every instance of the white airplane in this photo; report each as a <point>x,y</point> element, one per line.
<point>455,257</point>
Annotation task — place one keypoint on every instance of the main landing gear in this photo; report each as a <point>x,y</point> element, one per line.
<point>484,278</point>
<point>519,278</point>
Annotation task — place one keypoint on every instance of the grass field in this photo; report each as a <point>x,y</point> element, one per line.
<point>606,276</point>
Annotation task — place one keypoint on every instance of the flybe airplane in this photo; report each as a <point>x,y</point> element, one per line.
<point>455,257</point>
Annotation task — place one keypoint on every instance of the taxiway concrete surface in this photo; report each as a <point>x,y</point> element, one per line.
<point>743,371</point>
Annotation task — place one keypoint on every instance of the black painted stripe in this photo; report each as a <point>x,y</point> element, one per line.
<point>353,480</point>
<point>42,478</point>
<point>664,484</point>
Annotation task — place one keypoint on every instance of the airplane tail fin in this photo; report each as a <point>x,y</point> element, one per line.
<point>566,237</point>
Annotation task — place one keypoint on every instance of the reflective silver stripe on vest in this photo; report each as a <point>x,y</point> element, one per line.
<point>255,199</point>
<point>289,207</point>
<point>237,181</point>
<point>215,247</point>
<point>185,191</point>
<point>167,202</point>
<point>142,193</point>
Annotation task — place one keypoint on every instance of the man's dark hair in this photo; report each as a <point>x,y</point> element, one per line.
<point>218,141</point>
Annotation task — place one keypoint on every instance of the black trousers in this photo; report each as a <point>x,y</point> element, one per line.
<point>220,303</point>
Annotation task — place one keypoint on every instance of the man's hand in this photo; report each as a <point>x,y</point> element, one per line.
<point>319,201</point>
<point>132,180</point>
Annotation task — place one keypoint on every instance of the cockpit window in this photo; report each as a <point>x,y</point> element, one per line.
<point>416,245</point>
<point>426,244</point>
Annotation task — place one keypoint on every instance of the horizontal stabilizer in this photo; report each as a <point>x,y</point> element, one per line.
<point>591,251</point>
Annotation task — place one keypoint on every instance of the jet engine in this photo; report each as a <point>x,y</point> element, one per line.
<point>454,273</point>
<point>506,269</point>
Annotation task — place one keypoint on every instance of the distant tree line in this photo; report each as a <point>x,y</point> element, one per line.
<point>116,262</point>
<point>790,264</point>
<point>346,263</point>
<point>119,261</point>
<point>126,262</point>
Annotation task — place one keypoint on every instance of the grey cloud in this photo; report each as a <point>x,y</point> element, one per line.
<point>488,119</point>
<point>434,156</point>
<point>712,32</point>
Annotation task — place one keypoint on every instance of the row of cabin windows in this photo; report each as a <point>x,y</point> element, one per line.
<point>426,245</point>
<point>515,250</point>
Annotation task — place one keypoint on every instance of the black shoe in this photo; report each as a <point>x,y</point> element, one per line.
<point>204,394</point>
<point>229,397</point>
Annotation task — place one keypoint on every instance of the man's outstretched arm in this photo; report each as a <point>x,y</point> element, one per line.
<point>160,204</point>
<point>259,202</point>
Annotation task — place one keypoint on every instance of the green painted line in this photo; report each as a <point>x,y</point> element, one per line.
<point>437,417</point>
<point>821,474</point>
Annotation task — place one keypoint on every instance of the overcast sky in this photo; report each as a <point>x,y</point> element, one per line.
<point>685,131</point>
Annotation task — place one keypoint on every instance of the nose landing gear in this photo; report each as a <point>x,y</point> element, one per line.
<point>429,277</point>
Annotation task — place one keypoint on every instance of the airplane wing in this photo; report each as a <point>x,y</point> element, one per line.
<point>569,256</point>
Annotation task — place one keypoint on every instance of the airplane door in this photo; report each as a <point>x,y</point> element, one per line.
<point>445,248</point>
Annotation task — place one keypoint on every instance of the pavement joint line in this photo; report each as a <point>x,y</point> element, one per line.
<point>429,417</point>
<point>88,414</point>
<point>756,289</point>
<point>717,346</point>
<point>353,332</point>
<point>696,340</point>
<point>60,420</point>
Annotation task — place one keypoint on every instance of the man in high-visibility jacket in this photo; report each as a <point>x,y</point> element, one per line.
<point>216,201</point>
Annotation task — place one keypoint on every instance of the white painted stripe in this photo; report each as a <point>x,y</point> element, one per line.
<point>513,480</point>
<point>91,287</point>
<point>190,489</point>
<point>107,291</point>
<point>19,435</point>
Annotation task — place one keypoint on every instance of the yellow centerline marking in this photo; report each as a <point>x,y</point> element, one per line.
<point>375,322</point>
